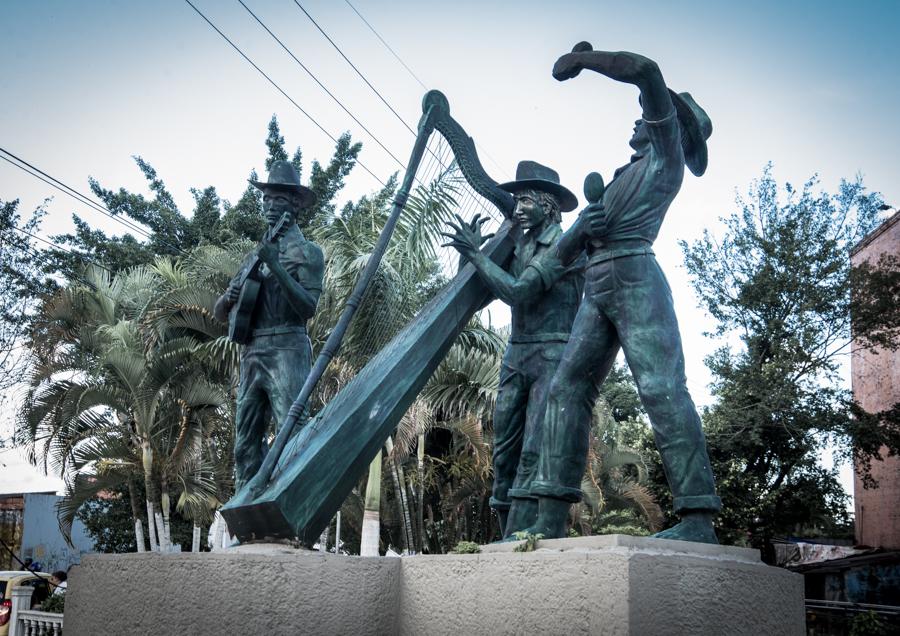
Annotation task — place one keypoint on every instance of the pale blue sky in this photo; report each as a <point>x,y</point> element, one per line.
<point>811,86</point>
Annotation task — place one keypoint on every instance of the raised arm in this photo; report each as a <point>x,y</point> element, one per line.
<point>621,66</point>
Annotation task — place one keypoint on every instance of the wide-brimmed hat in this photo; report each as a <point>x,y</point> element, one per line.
<point>283,176</point>
<point>530,175</point>
<point>696,127</point>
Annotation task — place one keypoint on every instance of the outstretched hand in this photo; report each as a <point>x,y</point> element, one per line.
<point>570,64</point>
<point>622,66</point>
<point>466,237</point>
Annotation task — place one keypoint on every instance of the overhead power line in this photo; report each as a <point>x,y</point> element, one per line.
<point>353,66</point>
<point>322,86</point>
<point>364,79</point>
<point>277,87</point>
<point>387,46</point>
<point>399,59</point>
<point>63,248</point>
<point>43,257</point>
<point>52,181</point>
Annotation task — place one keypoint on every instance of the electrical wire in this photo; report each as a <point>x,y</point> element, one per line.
<point>81,198</point>
<point>353,66</point>
<point>388,47</point>
<point>43,257</point>
<point>321,85</point>
<point>84,257</point>
<point>277,87</point>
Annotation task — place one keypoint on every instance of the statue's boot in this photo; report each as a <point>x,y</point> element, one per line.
<point>551,520</point>
<point>694,526</point>
<point>522,514</point>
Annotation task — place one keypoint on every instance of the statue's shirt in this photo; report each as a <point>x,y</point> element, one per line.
<point>304,263</point>
<point>640,194</point>
<point>548,315</point>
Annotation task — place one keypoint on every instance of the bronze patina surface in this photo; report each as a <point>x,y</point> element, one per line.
<point>543,295</point>
<point>628,304</point>
<point>276,356</point>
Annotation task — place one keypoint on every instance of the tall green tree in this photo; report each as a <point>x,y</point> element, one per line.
<point>24,281</point>
<point>779,283</point>
<point>169,231</point>
<point>113,399</point>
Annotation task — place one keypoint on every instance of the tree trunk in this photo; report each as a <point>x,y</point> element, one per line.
<point>151,527</point>
<point>136,515</point>
<point>337,533</point>
<point>400,490</point>
<point>161,533</point>
<point>166,508</point>
<point>219,532</point>
<point>420,494</point>
<point>147,461</point>
<point>195,542</point>
<point>371,526</point>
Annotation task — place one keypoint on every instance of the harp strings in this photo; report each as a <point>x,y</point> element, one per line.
<point>417,266</point>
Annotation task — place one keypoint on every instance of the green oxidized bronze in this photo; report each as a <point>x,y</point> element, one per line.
<point>628,304</point>
<point>267,305</point>
<point>543,296</point>
<point>305,477</point>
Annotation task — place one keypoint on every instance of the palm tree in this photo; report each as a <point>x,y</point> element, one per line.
<point>614,483</point>
<point>112,397</point>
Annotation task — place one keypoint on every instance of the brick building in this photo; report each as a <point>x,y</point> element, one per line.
<point>876,385</point>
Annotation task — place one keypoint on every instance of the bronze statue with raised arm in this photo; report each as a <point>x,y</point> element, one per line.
<point>628,304</point>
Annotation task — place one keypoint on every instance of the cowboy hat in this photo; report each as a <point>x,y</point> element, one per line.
<point>696,127</point>
<point>283,176</point>
<point>530,175</point>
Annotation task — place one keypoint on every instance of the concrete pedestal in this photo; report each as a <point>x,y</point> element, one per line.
<point>593,585</point>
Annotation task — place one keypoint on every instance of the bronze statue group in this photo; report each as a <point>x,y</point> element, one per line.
<point>576,298</point>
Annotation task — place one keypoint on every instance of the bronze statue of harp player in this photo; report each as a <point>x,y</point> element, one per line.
<point>305,477</point>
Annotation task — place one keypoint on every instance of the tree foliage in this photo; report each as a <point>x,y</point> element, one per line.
<point>24,281</point>
<point>165,230</point>
<point>778,282</point>
<point>108,520</point>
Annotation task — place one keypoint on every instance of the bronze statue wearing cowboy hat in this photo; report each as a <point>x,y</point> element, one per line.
<point>628,304</point>
<point>285,273</point>
<point>543,296</point>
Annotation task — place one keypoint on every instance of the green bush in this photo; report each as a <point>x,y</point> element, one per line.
<point>466,547</point>
<point>55,603</point>
<point>530,541</point>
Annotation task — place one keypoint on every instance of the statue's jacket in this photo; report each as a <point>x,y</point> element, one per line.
<point>546,316</point>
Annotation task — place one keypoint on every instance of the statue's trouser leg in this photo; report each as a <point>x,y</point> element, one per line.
<point>509,428</point>
<point>644,317</point>
<point>252,415</point>
<point>273,369</point>
<point>541,363</point>
<point>587,359</point>
<point>291,361</point>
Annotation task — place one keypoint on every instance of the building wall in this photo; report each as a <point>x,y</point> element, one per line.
<point>876,385</point>
<point>11,509</point>
<point>42,540</point>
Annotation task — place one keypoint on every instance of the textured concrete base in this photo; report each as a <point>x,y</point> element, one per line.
<point>593,585</point>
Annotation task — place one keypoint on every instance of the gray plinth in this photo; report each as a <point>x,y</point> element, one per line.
<point>593,585</point>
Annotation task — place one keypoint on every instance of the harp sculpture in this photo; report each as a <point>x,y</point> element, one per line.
<point>307,474</point>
